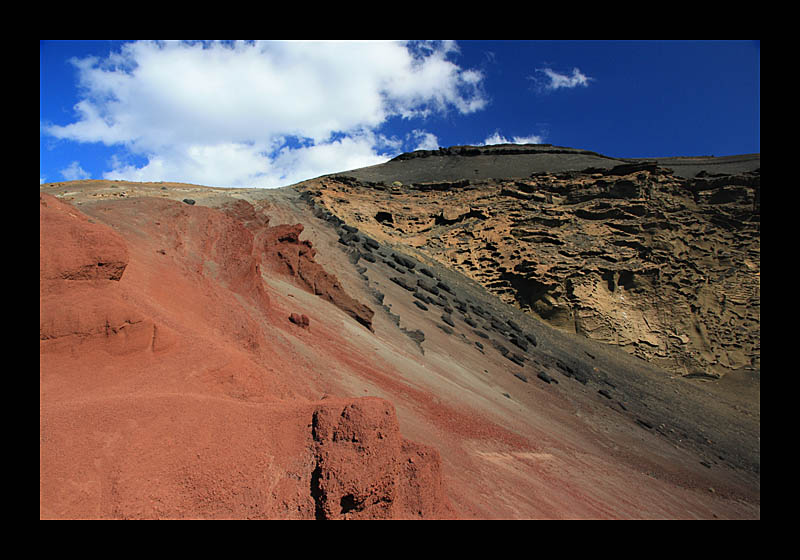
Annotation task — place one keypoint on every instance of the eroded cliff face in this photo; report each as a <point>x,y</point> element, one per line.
<point>664,266</point>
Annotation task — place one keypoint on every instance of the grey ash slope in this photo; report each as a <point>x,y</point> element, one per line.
<point>522,160</point>
<point>696,413</point>
<point>431,303</point>
<point>685,251</point>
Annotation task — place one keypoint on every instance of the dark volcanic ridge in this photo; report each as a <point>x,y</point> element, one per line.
<point>521,160</point>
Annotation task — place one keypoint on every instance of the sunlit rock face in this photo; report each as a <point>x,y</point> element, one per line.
<point>629,253</point>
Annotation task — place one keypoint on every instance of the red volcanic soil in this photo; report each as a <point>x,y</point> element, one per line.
<point>220,361</point>
<point>165,394</point>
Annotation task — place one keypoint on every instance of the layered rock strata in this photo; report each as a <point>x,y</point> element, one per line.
<point>664,266</point>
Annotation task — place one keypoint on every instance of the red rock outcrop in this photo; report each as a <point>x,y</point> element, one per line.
<point>300,319</point>
<point>288,255</point>
<point>366,470</point>
<point>80,265</point>
<point>85,250</point>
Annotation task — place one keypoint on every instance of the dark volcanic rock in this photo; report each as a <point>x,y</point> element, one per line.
<point>444,287</point>
<point>349,238</point>
<point>516,358</point>
<point>416,335</point>
<point>422,297</point>
<point>546,378</point>
<point>405,261</point>
<point>391,264</point>
<point>518,342</point>
<point>402,282</point>
<point>481,333</point>
<point>500,348</point>
<point>428,286</point>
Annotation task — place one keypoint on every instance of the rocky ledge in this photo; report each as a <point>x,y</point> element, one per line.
<point>665,266</point>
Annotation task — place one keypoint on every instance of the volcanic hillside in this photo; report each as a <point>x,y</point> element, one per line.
<point>312,352</point>
<point>631,253</point>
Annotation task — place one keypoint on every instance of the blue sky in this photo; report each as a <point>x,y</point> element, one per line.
<point>268,114</point>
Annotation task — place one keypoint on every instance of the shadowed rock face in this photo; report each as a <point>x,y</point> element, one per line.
<point>631,254</point>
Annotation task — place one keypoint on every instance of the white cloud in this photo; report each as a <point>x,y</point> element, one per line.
<point>224,164</point>
<point>532,139</point>
<point>74,172</point>
<point>497,138</point>
<point>424,140</point>
<point>260,113</point>
<point>350,152</point>
<point>558,81</point>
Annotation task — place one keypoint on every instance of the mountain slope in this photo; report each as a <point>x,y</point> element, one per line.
<point>631,254</point>
<point>223,374</point>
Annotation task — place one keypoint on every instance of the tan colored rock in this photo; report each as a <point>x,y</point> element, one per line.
<point>665,266</point>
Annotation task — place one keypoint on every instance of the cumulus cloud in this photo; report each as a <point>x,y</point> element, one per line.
<point>556,80</point>
<point>292,165</point>
<point>424,140</point>
<point>497,138</point>
<point>74,172</point>
<point>261,113</point>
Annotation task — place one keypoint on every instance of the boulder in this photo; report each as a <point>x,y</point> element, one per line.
<point>403,283</point>
<point>299,320</point>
